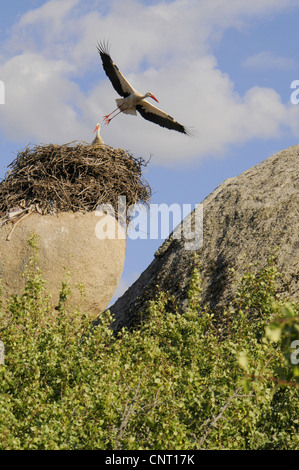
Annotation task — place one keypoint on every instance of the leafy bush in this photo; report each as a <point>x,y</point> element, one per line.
<point>176,382</point>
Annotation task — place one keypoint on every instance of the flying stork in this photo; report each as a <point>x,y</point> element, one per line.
<point>132,100</point>
<point>98,139</point>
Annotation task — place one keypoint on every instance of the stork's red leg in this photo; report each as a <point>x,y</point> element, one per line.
<point>108,120</point>
<point>107,115</point>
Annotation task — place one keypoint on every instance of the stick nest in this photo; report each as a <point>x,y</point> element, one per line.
<point>54,178</point>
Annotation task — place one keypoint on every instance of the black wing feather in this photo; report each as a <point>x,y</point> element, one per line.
<point>110,68</point>
<point>162,121</point>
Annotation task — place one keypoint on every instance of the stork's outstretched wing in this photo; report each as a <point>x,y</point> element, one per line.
<point>120,84</point>
<point>156,115</point>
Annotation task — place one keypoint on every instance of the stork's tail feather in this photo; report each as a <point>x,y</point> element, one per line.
<point>124,108</point>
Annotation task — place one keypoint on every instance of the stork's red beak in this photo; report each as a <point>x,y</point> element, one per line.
<point>96,128</point>
<point>154,98</point>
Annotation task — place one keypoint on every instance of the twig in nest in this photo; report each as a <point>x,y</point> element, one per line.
<point>16,223</point>
<point>73,178</point>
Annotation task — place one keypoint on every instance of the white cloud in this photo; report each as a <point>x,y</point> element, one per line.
<point>39,98</point>
<point>267,60</point>
<point>53,11</point>
<point>56,90</point>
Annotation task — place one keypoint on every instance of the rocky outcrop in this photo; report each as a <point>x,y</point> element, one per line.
<point>246,216</point>
<point>59,192</point>
<point>67,242</point>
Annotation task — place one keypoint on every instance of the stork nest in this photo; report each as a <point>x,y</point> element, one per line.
<point>54,178</point>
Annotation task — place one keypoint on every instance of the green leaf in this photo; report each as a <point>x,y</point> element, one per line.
<point>243,360</point>
<point>273,332</point>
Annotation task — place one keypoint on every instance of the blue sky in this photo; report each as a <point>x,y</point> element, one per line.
<point>224,68</point>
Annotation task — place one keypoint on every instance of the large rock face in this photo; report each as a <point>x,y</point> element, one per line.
<point>246,215</point>
<point>67,242</point>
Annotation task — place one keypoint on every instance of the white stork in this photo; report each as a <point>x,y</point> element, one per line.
<point>132,100</point>
<point>98,139</point>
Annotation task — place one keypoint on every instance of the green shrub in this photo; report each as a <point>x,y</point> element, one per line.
<point>176,382</point>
